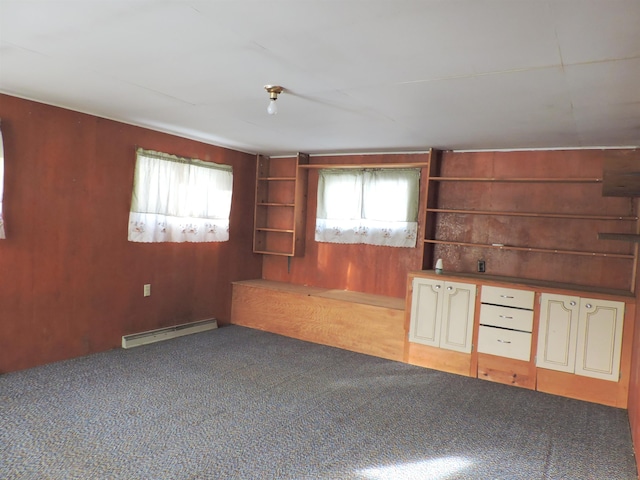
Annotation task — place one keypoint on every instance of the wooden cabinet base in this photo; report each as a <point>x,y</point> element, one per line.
<point>613,394</point>
<point>358,322</point>
<point>439,359</point>
<point>507,371</point>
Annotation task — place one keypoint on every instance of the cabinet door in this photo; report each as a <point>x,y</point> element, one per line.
<point>599,339</point>
<point>558,332</point>
<point>426,308</point>
<point>458,308</point>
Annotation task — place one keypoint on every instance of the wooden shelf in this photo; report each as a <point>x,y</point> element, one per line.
<point>277,179</point>
<point>279,230</point>
<point>533,214</point>
<point>317,166</point>
<point>516,180</point>
<point>532,204</point>
<point>531,249</point>
<point>271,204</point>
<point>624,237</point>
<point>272,252</point>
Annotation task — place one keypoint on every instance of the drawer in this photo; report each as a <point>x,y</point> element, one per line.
<point>506,317</point>
<point>504,343</point>
<point>507,296</point>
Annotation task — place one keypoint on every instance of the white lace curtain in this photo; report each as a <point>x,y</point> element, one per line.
<point>376,207</point>
<point>179,199</point>
<point>2,235</point>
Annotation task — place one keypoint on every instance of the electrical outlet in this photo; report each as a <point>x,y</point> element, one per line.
<point>482,266</point>
<point>147,289</point>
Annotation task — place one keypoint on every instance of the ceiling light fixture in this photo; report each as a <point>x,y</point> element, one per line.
<point>274,91</point>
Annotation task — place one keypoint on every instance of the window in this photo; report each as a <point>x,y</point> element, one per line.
<point>2,235</point>
<point>372,206</point>
<point>179,199</point>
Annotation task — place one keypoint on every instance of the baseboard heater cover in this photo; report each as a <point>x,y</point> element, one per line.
<point>152,336</point>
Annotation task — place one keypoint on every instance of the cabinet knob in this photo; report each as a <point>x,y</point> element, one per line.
<point>437,287</point>
<point>588,305</point>
<point>449,288</point>
<point>573,304</point>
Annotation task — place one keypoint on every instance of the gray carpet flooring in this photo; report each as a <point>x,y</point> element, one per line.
<point>236,403</point>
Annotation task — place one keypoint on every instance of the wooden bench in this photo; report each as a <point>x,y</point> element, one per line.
<point>359,322</point>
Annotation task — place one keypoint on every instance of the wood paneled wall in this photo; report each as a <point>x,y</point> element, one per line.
<point>362,268</point>
<point>633,404</point>
<point>71,283</point>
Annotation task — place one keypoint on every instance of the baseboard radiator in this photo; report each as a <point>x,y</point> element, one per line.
<point>152,336</point>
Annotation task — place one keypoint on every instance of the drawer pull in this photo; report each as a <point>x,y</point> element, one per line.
<point>506,296</point>
<point>504,341</point>
<point>505,316</point>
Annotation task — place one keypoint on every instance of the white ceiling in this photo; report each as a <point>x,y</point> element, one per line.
<point>359,76</point>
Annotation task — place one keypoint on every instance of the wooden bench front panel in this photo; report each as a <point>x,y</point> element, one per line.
<point>358,327</point>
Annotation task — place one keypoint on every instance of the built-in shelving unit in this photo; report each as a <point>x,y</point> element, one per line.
<point>279,220</point>
<point>488,209</point>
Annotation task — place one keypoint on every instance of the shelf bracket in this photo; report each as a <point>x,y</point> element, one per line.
<point>624,237</point>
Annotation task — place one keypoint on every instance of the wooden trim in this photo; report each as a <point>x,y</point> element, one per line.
<point>506,370</point>
<point>535,332</point>
<point>439,359</point>
<point>476,331</point>
<point>268,204</point>
<point>361,166</point>
<point>533,249</point>
<point>517,179</point>
<point>527,284</point>
<point>636,250</point>
<point>364,299</point>
<point>300,200</point>
<point>277,179</point>
<point>273,252</point>
<point>407,317</point>
<point>262,163</point>
<point>268,229</point>
<point>533,214</point>
<point>634,269</point>
<point>581,388</point>
<point>432,194</point>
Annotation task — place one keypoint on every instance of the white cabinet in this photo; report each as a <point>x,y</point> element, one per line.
<point>506,322</point>
<point>580,335</point>
<point>508,297</point>
<point>599,339</point>
<point>442,314</point>
<point>504,343</point>
<point>558,332</point>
